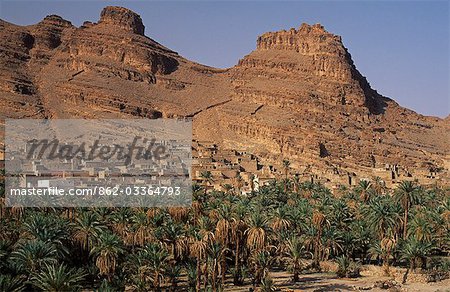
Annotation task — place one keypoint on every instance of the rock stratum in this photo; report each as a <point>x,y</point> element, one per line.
<point>298,96</point>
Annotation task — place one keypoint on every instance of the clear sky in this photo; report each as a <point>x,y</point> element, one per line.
<point>402,47</point>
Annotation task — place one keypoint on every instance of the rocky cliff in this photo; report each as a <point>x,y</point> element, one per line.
<point>297,96</point>
<point>122,18</point>
<point>105,69</point>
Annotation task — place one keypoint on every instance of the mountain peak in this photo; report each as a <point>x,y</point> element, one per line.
<point>122,18</point>
<point>55,20</point>
<point>317,28</point>
<point>307,39</point>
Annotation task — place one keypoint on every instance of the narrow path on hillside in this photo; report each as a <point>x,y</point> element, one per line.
<point>256,110</point>
<point>208,107</point>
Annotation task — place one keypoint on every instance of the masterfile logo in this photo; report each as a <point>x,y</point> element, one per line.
<point>98,163</point>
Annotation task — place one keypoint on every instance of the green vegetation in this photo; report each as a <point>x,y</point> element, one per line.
<point>287,225</point>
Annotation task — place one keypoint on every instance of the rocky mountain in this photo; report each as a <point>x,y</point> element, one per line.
<point>297,96</point>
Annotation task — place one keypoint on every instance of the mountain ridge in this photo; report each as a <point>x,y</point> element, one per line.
<point>299,95</point>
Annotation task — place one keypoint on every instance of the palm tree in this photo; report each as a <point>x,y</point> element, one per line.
<point>122,218</point>
<point>48,228</point>
<point>5,250</point>
<point>280,218</point>
<point>261,261</point>
<point>382,216</point>
<point>415,252</point>
<point>178,214</point>
<point>444,211</point>
<point>357,239</point>
<point>267,284</point>
<point>422,226</point>
<point>286,165</point>
<point>216,252</point>
<point>347,267</point>
<point>11,284</point>
<point>257,231</point>
<point>222,233</point>
<point>340,214</point>
<point>407,195</point>
<point>227,188</point>
<point>32,255</point>
<point>58,278</point>
<point>300,215</point>
<point>155,258</point>
<point>238,228</point>
<point>444,227</point>
<point>174,235</point>
<point>295,254</point>
<point>207,179</point>
<point>107,251</point>
<point>105,287</point>
<point>198,244</point>
<point>318,222</point>
<point>364,189</point>
<point>331,242</point>
<point>173,272</point>
<point>191,275</point>
<point>86,229</point>
<point>140,227</point>
<point>384,250</point>
<point>222,230</point>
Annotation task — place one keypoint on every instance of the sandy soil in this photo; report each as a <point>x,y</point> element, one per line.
<point>329,282</point>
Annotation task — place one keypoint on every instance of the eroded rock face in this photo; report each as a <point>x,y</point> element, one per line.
<point>122,18</point>
<point>307,40</point>
<point>298,96</point>
<point>310,54</point>
<point>49,31</point>
<point>106,65</point>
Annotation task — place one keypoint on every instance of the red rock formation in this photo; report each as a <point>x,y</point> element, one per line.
<point>297,96</point>
<point>122,18</point>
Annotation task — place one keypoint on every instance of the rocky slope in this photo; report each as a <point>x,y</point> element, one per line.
<point>297,96</point>
<point>104,69</point>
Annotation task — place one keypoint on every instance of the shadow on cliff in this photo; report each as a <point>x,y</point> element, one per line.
<point>377,104</point>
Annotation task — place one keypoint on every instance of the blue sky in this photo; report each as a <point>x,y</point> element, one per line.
<point>402,47</point>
